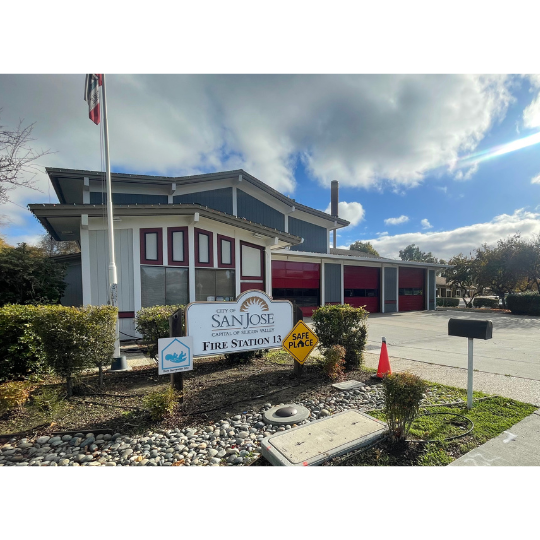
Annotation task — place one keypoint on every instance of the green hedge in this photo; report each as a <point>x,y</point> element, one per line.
<point>153,323</point>
<point>342,325</point>
<point>21,350</point>
<point>486,302</point>
<point>524,304</point>
<point>448,302</point>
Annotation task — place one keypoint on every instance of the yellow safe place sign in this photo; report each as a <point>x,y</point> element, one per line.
<point>300,341</point>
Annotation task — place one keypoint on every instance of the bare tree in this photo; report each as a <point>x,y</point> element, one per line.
<point>17,159</point>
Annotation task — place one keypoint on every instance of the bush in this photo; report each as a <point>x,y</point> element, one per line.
<point>161,404</point>
<point>403,393</point>
<point>75,339</point>
<point>527,303</point>
<point>21,351</point>
<point>242,357</point>
<point>342,325</point>
<point>153,323</point>
<point>14,395</point>
<point>333,363</point>
<point>486,302</point>
<point>448,302</point>
<point>48,401</point>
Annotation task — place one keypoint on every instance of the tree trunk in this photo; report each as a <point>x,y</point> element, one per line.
<point>101,376</point>
<point>69,386</point>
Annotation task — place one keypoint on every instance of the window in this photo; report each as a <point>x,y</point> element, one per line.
<point>151,246</point>
<point>177,246</point>
<point>303,297</point>
<point>362,293</point>
<point>252,261</point>
<point>225,251</point>
<point>164,286</point>
<point>411,292</point>
<point>204,249</point>
<point>213,285</point>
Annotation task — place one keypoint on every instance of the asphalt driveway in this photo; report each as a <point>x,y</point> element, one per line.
<point>423,336</point>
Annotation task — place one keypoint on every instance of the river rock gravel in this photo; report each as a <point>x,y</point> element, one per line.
<point>233,441</point>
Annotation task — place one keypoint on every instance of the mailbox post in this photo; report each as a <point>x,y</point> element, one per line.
<point>474,329</point>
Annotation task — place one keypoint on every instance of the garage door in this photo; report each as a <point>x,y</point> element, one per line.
<point>411,289</point>
<point>361,284</point>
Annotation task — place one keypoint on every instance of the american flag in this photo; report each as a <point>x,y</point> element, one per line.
<point>91,96</point>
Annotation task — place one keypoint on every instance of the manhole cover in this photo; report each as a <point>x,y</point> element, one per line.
<point>284,412</point>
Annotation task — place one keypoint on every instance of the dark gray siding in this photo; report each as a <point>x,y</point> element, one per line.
<point>390,284</point>
<point>315,237</point>
<point>73,292</point>
<point>332,283</point>
<point>431,289</point>
<point>217,199</point>
<point>254,210</point>
<point>128,198</point>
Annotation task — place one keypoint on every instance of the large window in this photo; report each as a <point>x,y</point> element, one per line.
<point>151,246</point>
<point>213,285</point>
<point>177,246</point>
<point>252,261</point>
<point>225,251</point>
<point>204,248</point>
<point>303,297</point>
<point>164,286</point>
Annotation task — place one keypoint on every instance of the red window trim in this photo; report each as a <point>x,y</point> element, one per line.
<point>221,264</point>
<point>210,263</point>
<point>262,251</point>
<point>143,233</point>
<point>170,231</point>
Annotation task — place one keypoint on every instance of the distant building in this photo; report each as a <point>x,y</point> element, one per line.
<point>213,236</point>
<point>449,291</point>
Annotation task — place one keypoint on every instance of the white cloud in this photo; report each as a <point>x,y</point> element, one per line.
<point>464,239</point>
<point>426,224</point>
<point>396,220</point>
<point>536,179</point>
<point>352,212</point>
<point>385,233</point>
<point>471,171</point>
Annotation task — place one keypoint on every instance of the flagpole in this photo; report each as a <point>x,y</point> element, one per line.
<point>113,280</point>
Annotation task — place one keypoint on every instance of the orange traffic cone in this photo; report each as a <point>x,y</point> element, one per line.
<point>384,362</point>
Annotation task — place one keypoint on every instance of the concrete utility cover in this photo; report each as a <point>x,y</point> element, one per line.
<point>348,385</point>
<point>318,441</point>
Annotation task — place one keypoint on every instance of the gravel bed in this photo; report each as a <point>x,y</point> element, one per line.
<point>234,441</point>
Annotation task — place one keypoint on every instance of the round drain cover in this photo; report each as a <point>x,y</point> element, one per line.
<point>284,412</point>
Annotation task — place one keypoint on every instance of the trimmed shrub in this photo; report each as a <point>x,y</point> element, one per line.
<point>161,404</point>
<point>21,351</point>
<point>242,357</point>
<point>448,302</point>
<point>72,338</point>
<point>527,303</point>
<point>333,363</point>
<point>14,395</point>
<point>486,302</point>
<point>153,323</point>
<point>342,325</point>
<point>403,393</point>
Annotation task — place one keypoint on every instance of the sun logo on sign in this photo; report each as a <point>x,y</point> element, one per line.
<point>254,305</point>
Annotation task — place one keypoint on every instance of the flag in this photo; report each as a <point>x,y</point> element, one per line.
<point>91,96</point>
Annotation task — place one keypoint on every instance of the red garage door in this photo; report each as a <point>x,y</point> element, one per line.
<point>298,282</point>
<point>411,289</point>
<point>361,284</point>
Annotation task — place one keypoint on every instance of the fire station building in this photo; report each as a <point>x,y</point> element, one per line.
<point>211,237</point>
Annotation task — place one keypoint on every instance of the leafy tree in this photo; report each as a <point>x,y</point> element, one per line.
<point>52,247</point>
<point>3,243</point>
<point>464,275</point>
<point>412,253</point>
<point>27,276</point>
<point>365,247</point>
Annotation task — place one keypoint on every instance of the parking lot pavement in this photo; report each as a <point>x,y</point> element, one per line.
<point>423,336</point>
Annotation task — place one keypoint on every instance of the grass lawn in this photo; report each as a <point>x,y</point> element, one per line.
<point>490,416</point>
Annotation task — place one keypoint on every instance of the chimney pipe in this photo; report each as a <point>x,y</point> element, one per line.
<point>334,201</point>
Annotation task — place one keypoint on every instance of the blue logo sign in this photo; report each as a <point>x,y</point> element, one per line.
<point>176,356</point>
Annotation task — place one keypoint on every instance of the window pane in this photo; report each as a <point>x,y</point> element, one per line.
<point>203,249</point>
<point>178,246</point>
<point>225,284</point>
<point>177,286</point>
<point>251,261</point>
<point>151,246</point>
<point>205,284</point>
<point>152,286</point>
<point>225,252</point>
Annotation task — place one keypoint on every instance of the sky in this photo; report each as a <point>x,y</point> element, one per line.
<point>446,162</point>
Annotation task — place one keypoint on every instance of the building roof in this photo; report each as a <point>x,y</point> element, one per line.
<point>55,174</point>
<point>354,253</point>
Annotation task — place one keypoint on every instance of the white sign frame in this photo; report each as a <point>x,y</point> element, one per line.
<point>209,324</point>
<point>175,345</point>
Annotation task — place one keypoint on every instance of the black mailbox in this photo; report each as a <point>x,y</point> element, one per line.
<point>470,329</point>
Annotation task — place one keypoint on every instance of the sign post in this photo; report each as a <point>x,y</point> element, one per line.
<point>300,342</point>
<point>175,330</point>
